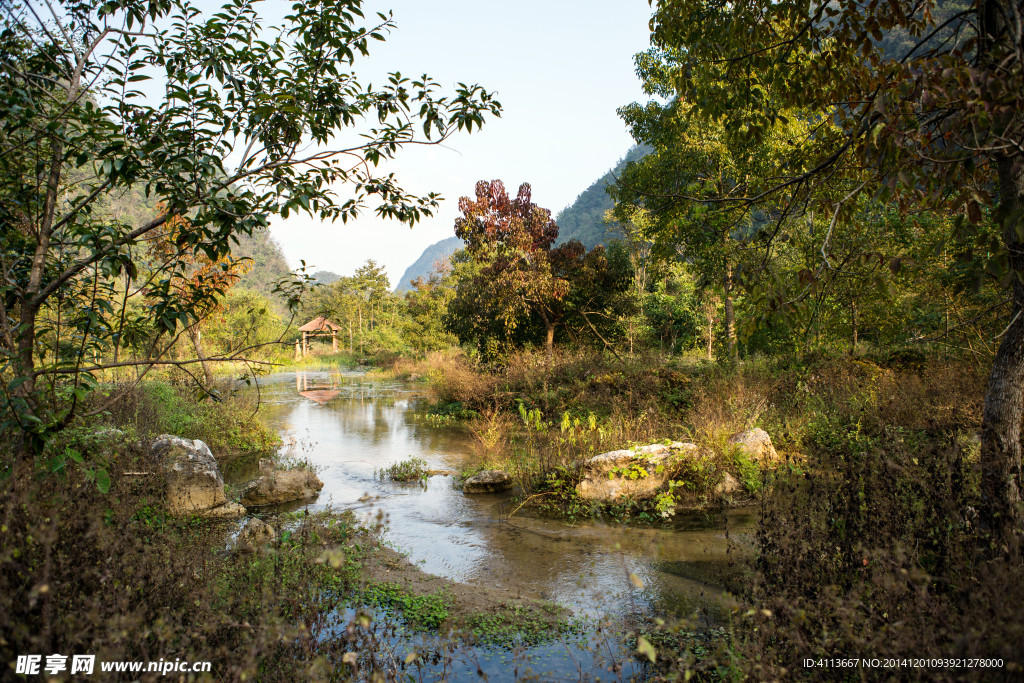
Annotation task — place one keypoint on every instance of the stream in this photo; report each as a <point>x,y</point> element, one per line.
<point>348,426</point>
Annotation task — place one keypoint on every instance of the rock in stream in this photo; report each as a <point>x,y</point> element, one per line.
<point>194,482</point>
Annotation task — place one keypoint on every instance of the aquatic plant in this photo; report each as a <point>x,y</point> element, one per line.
<point>413,469</point>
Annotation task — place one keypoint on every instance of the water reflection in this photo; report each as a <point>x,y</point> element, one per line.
<point>350,427</point>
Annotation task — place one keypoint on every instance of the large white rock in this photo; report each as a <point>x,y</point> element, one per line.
<point>488,481</point>
<point>256,533</point>
<point>280,486</point>
<point>609,475</point>
<point>194,482</point>
<point>756,444</point>
<point>728,486</point>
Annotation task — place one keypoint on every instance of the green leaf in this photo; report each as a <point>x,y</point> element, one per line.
<point>102,480</point>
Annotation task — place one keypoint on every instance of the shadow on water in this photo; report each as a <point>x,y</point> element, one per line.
<point>348,427</point>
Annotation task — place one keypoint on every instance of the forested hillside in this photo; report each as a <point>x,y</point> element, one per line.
<point>424,265</point>
<point>268,263</point>
<point>584,218</point>
<point>132,207</point>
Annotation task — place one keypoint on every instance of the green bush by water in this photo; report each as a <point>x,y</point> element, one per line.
<point>413,469</point>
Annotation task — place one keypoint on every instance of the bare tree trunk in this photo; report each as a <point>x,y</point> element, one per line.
<point>549,338</point>
<point>730,315</point>
<point>1004,400</point>
<point>196,336</point>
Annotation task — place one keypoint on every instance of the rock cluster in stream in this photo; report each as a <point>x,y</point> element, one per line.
<point>642,473</point>
<point>195,485</point>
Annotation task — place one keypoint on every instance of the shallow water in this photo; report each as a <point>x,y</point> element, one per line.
<point>349,426</point>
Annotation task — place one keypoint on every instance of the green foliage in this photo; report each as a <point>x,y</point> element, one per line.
<point>426,306</point>
<point>521,627</point>
<point>451,411</point>
<point>74,127</point>
<point>423,611</point>
<point>750,474</point>
<point>227,426</point>
<point>413,469</point>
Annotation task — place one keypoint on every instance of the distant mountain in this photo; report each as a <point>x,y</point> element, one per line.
<point>326,277</point>
<point>584,219</point>
<point>424,265</point>
<point>268,263</point>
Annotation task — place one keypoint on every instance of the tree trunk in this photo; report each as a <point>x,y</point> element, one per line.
<point>195,335</point>
<point>853,317</point>
<point>1004,400</point>
<point>549,339</point>
<point>730,315</point>
<point>711,335</point>
<point>26,339</point>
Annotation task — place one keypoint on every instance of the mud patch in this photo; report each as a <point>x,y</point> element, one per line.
<point>480,613</point>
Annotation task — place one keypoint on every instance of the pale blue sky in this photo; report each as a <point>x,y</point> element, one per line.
<point>560,69</point>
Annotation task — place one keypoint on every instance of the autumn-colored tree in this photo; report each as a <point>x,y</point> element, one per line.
<point>520,274</point>
<point>198,281</point>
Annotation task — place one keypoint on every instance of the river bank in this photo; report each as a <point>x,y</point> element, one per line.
<point>333,597</point>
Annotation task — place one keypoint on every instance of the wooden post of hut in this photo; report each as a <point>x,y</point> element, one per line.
<point>298,349</point>
<point>319,327</point>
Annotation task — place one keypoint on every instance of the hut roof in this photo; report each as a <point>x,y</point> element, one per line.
<point>319,324</point>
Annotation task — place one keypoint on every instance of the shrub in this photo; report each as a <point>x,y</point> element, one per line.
<point>230,426</point>
<point>413,469</point>
<point>82,572</point>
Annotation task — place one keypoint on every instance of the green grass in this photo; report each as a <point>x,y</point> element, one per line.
<point>229,427</point>
<point>413,469</point>
<point>521,627</point>
<point>422,611</point>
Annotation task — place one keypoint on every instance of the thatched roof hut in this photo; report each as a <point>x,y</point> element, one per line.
<point>320,324</point>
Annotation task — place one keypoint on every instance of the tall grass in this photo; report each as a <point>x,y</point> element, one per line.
<point>230,426</point>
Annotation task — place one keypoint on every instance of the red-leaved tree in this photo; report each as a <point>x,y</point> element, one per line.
<point>520,272</point>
